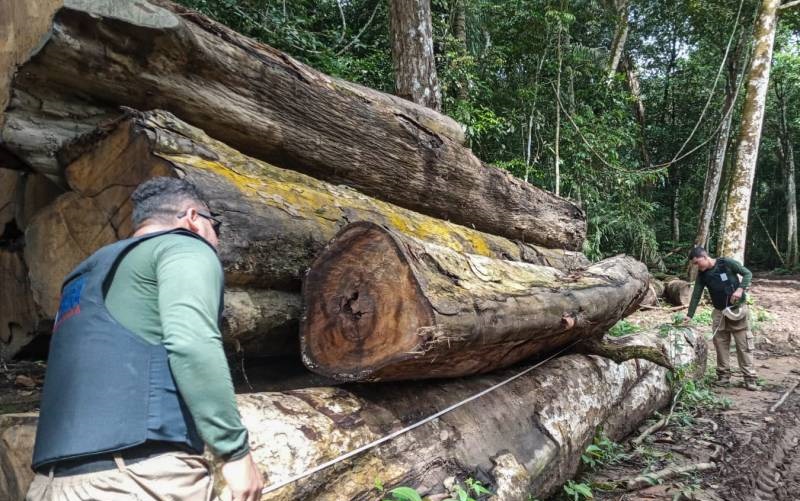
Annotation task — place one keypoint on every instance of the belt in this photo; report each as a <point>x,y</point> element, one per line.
<point>105,461</point>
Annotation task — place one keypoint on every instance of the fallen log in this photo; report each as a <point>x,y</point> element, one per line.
<point>8,196</point>
<point>678,292</point>
<point>35,192</point>
<point>385,306</point>
<point>19,320</point>
<point>529,433</point>
<point>264,103</point>
<point>275,221</point>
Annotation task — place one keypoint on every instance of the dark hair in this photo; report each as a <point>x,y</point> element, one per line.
<point>161,198</point>
<point>697,251</point>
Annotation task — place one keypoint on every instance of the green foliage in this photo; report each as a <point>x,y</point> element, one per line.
<point>702,317</point>
<point>602,452</point>
<point>623,328</point>
<point>403,494</point>
<point>577,491</point>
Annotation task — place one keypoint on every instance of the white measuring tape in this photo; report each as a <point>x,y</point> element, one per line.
<point>295,478</point>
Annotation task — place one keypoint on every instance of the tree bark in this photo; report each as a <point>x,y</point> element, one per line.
<point>715,167</point>
<point>9,186</point>
<point>385,306</point>
<point>275,221</point>
<point>632,80</point>
<point>411,31</point>
<point>678,292</point>
<point>267,105</point>
<point>535,426</point>
<point>19,320</point>
<point>787,157</point>
<point>617,48</point>
<point>738,206</point>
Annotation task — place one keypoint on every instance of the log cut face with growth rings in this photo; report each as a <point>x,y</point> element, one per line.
<point>381,305</point>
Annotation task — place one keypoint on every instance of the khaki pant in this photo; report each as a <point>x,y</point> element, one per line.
<point>740,331</point>
<point>173,476</point>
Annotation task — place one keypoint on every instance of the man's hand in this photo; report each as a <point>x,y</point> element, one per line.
<point>686,320</point>
<point>737,295</point>
<point>243,478</point>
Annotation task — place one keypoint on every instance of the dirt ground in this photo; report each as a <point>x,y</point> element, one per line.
<point>755,452</point>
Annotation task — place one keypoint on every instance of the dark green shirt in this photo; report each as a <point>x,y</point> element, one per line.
<point>167,290</point>
<point>733,266</point>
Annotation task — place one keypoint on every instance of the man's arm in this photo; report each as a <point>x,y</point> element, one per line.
<point>735,266</point>
<point>697,293</point>
<point>189,283</point>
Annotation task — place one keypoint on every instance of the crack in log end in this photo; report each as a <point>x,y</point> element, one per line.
<point>427,138</point>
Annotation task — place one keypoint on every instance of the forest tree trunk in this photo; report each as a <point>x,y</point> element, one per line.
<point>738,206</point>
<point>411,31</point>
<point>787,157</point>
<point>385,306</point>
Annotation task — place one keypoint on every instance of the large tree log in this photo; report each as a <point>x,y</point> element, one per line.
<point>19,321</point>
<point>276,221</point>
<point>678,292</point>
<point>385,306</point>
<point>8,196</point>
<point>537,424</point>
<point>267,105</point>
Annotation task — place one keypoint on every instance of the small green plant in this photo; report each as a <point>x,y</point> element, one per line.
<point>577,491</point>
<point>378,484</point>
<point>473,488</point>
<point>623,328</point>
<point>702,317</point>
<point>602,452</point>
<point>403,494</point>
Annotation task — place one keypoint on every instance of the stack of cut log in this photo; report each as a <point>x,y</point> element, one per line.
<point>424,262</point>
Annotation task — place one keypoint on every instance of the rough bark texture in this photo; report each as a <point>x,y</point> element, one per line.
<point>275,220</point>
<point>385,306</point>
<point>23,25</point>
<point>9,181</point>
<point>678,292</point>
<point>528,433</point>
<point>267,105</point>
<point>35,192</point>
<point>620,37</point>
<point>411,33</point>
<point>738,206</point>
<point>786,148</point>
<point>17,433</point>
<point>19,320</point>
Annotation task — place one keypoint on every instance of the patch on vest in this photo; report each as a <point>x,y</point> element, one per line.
<point>70,302</point>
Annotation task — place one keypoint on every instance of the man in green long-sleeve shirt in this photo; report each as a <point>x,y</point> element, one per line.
<point>731,317</point>
<point>137,381</point>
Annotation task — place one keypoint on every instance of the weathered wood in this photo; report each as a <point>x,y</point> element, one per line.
<point>678,292</point>
<point>276,221</point>
<point>23,26</point>
<point>386,306</point>
<point>35,192</point>
<point>539,424</point>
<point>19,320</point>
<point>17,433</point>
<point>267,105</point>
<point>411,35</point>
<point>9,181</point>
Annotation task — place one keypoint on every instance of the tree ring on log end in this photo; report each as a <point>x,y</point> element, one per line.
<point>361,297</point>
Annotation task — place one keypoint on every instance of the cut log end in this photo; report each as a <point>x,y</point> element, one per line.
<point>357,314</point>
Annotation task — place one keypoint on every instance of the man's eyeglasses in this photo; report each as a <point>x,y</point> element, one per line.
<point>216,224</point>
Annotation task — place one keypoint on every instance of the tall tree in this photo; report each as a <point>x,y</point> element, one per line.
<point>738,207</point>
<point>786,148</point>
<point>411,32</point>
<point>716,161</point>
